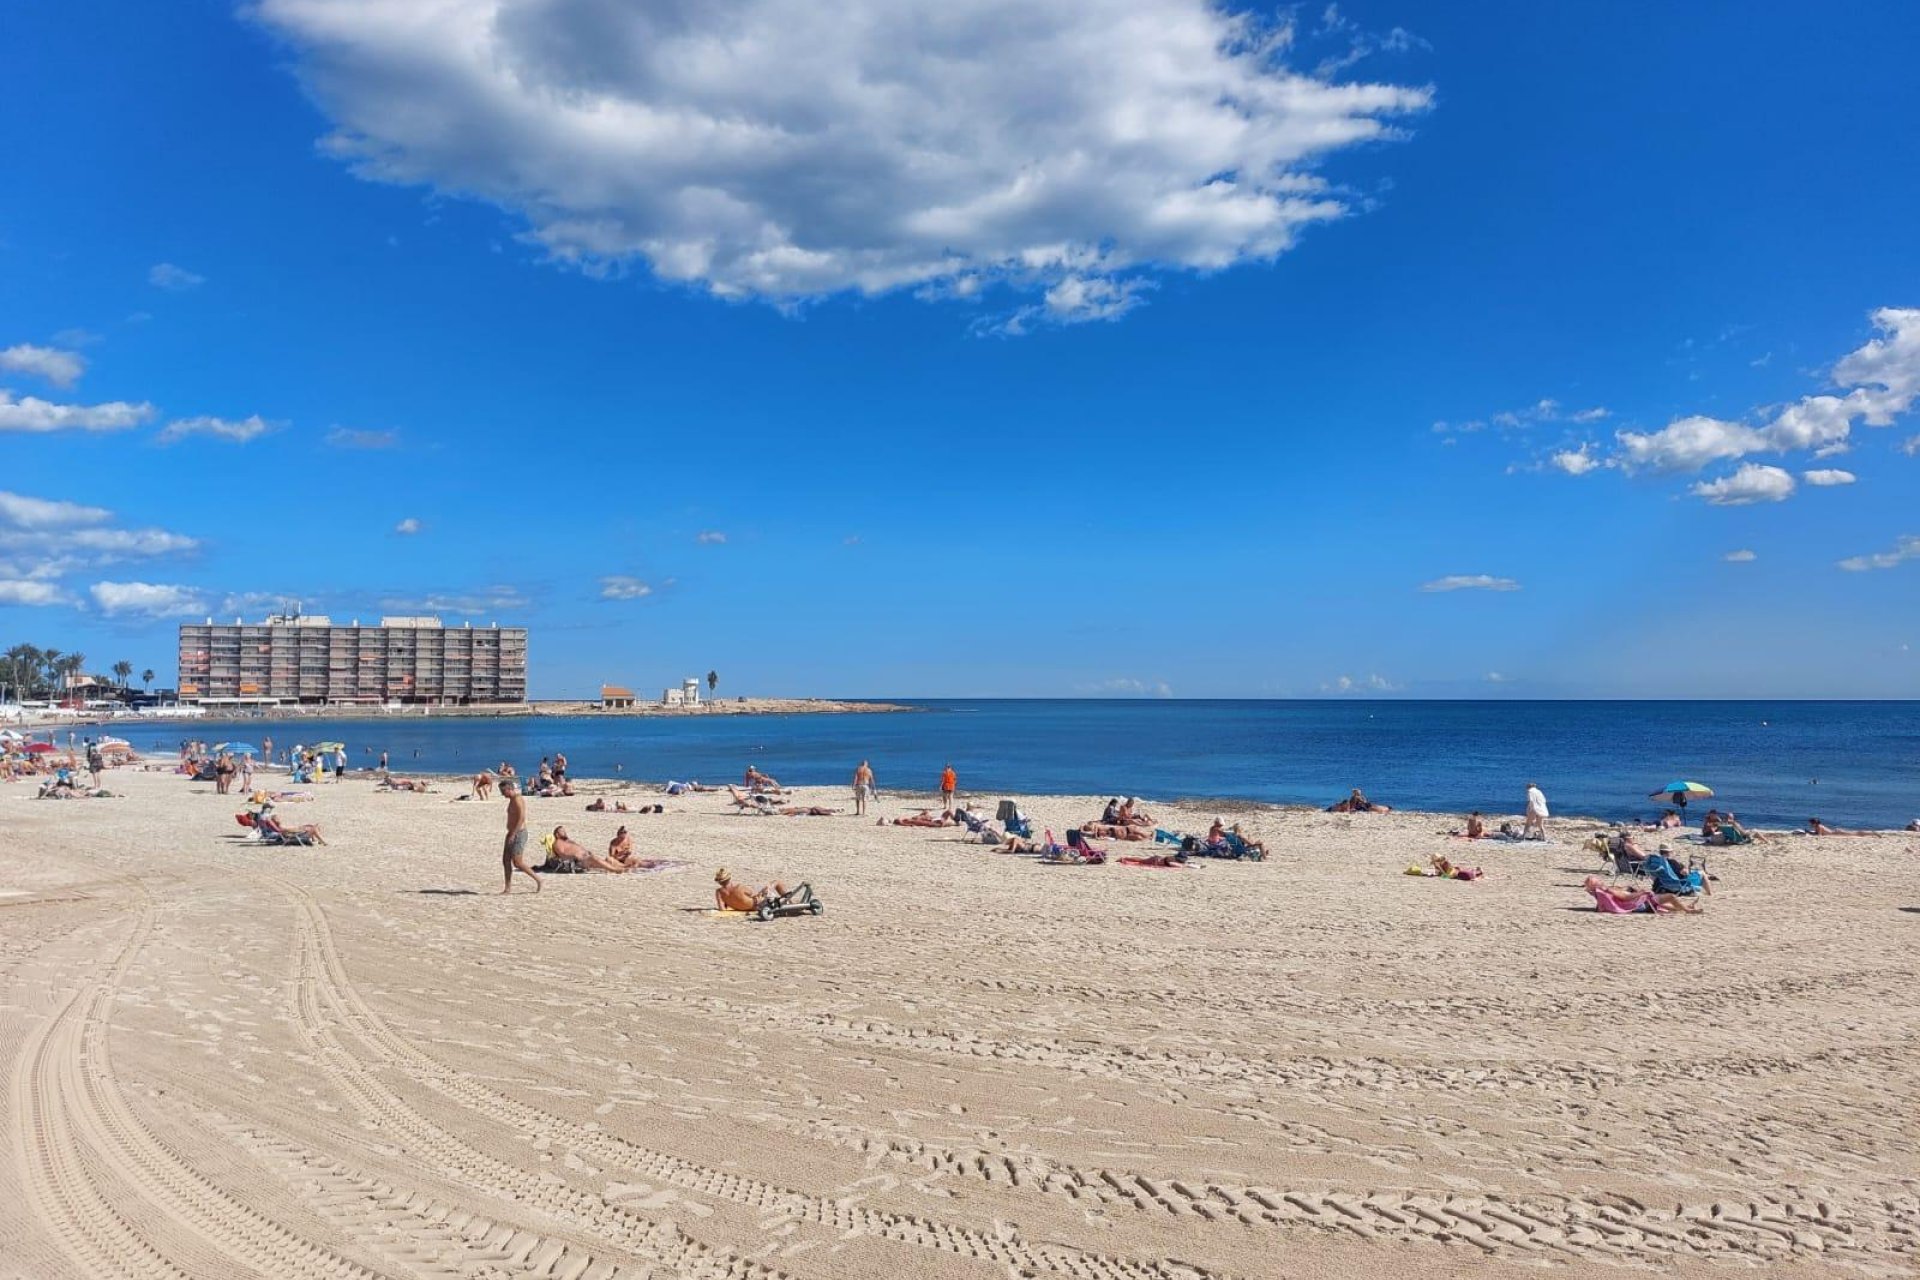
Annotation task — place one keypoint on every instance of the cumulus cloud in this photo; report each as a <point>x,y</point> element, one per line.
<point>408,527</point>
<point>1907,548</point>
<point>1470,582</point>
<point>19,511</point>
<point>165,275</point>
<point>783,150</point>
<point>1826,479</point>
<point>232,430</point>
<point>61,368</point>
<point>1742,556</point>
<point>619,586</point>
<point>32,414</point>
<point>1576,462</point>
<point>30,593</point>
<point>348,438</point>
<point>1911,446</point>
<point>147,599</point>
<point>1750,484</point>
<point>1882,379</point>
<point>710,538</point>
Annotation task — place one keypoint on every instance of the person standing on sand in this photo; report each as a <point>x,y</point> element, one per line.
<point>383,762</point>
<point>949,782</point>
<point>513,855</point>
<point>339,762</point>
<point>266,751</point>
<point>1536,822</point>
<point>862,788</point>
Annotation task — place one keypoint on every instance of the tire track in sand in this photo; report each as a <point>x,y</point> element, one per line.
<point>66,1107</point>
<point>324,980</point>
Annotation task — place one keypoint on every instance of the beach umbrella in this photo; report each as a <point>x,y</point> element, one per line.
<point>40,748</point>
<point>1680,791</point>
<point>327,746</point>
<point>237,748</point>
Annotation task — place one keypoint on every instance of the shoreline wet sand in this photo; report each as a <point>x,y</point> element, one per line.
<point>242,1060</point>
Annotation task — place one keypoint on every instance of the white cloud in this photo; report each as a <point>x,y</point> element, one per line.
<point>1907,548</point>
<point>710,538</point>
<point>1576,462</point>
<point>1689,444</point>
<point>46,538</point>
<point>1594,414</point>
<point>1884,380</point>
<point>1494,677</point>
<point>30,593</point>
<point>487,600</point>
<point>1750,484</point>
<point>165,275</point>
<point>21,512</point>
<point>1375,683</point>
<point>1742,556</point>
<point>1828,478</point>
<point>232,430</point>
<point>1911,446</point>
<point>30,413</point>
<point>61,368</point>
<point>1129,686</point>
<point>618,586</point>
<point>407,527</point>
<point>348,438</point>
<point>1470,582</point>
<point>785,150</point>
<point>147,599</point>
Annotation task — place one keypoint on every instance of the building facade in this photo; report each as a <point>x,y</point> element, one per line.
<point>310,661</point>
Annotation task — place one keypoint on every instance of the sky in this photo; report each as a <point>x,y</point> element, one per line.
<point>971,348</point>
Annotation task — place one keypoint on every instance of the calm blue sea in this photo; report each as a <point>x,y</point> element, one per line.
<point>1775,763</point>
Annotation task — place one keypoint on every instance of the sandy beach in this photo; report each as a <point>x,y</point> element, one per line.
<point>358,1060</point>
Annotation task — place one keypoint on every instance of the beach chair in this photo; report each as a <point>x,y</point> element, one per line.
<point>1009,816</point>
<point>1240,849</point>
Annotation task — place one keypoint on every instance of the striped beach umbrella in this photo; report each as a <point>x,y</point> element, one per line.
<point>1680,791</point>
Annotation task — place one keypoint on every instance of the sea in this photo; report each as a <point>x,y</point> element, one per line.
<point>1853,764</point>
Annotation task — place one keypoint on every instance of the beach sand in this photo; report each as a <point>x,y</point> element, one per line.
<point>227,1060</point>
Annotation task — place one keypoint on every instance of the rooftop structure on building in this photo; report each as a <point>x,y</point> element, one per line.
<point>309,660</point>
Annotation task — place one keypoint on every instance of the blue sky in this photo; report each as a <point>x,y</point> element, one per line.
<point>978,348</point>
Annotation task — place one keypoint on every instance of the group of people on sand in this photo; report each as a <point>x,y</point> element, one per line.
<point>1121,820</point>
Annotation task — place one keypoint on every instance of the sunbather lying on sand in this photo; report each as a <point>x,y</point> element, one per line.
<point>743,800</point>
<point>1815,827</point>
<point>924,818</point>
<point>1117,831</point>
<point>562,848</point>
<point>681,788</point>
<point>402,784</point>
<point>730,896</point>
<point>1616,900</point>
<point>1016,844</point>
<point>1358,803</point>
<point>807,811</point>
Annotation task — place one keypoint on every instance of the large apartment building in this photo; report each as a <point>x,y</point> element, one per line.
<point>311,661</point>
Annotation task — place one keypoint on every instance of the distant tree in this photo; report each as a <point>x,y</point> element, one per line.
<point>123,672</point>
<point>713,682</point>
<point>49,673</point>
<point>23,665</point>
<point>146,677</point>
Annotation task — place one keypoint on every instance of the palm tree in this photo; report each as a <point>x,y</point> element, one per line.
<point>23,661</point>
<point>49,674</point>
<point>713,682</point>
<point>123,672</point>
<point>72,665</point>
<point>146,677</point>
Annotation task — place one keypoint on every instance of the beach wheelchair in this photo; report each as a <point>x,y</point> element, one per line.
<point>797,901</point>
